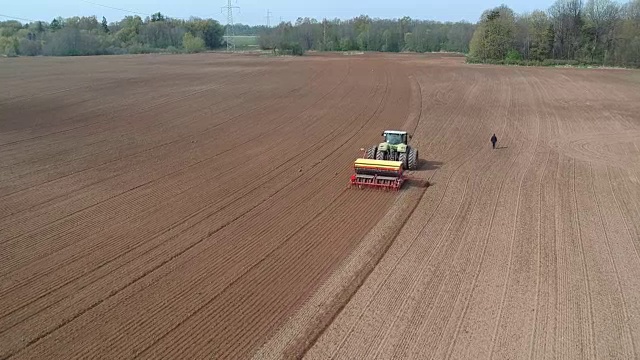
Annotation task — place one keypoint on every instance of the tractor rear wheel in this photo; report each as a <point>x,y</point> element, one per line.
<point>380,155</point>
<point>403,158</point>
<point>412,161</point>
<point>371,152</point>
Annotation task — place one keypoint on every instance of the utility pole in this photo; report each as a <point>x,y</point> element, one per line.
<point>268,18</point>
<point>231,43</point>
<point>324,34</point>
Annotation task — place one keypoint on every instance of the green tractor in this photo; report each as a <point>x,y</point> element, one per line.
<point>395,148</point>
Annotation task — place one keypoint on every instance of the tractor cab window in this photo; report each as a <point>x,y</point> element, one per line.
<point>394,139</point>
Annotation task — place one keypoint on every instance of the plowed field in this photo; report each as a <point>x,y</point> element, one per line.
<point>196,207</point>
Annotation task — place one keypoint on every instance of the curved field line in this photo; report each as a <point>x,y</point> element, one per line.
<point>214,259</point>
<point>458,294</point>
<point>359,278</point>
<point>389,328</point>
<point>438,246</point>
<point>538,260</point>
<point>352,327</point>
<point>509,263</point>
<point>388,275</point>
<point>484,248</point>
<point>584,265</point>
<point>465,228</point>
<point>625,310</point>
<point>626,225</point>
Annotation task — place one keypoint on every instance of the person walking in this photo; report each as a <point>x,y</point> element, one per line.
<point>494,140</point>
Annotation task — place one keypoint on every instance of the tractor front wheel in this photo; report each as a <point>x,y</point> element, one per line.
<point>380,155</point>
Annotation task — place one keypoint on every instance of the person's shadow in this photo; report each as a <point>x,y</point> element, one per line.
<point>501,147</point>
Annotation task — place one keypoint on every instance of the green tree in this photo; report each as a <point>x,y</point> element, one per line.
<point>365,33</point>
<point>391,42</point>
<point>28,47</point>
<point>494,36</point>
<point>458,37</point>
<point>627,46</point>
<point>70,41</point>
<point>130,28</point>
<point>157,17</point>
<point>208,30</point>
<point>87,23</point>
<point>55,25</point>
<point>161,34</point>
<point>105,26</point>
<point>9,28</point>
<point>9,46</point>
<point>192,44</point>
<point>542,36</point>
<point>40,27</point>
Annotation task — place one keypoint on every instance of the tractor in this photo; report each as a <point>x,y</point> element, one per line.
<point>395,148</point>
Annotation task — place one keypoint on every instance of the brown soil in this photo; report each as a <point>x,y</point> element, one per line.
<point>527,251</point>
<point>196,206</point>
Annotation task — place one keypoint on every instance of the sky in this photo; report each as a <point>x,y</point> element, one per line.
<point>254,12</point>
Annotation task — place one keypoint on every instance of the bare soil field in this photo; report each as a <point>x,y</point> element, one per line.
<point>196,207</point>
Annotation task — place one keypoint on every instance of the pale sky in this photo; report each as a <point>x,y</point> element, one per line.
<point>255,11</point>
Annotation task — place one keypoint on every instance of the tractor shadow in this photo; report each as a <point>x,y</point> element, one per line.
<point>423,165</point>
<point>428,165</point>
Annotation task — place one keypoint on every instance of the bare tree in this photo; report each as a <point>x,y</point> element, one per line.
<point>601,17</point>
<point>567,22</point>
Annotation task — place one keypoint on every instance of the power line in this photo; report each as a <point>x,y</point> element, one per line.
<point>268,18</point>
<point>115,8</point>
<point>17,18</point>
<point>130,11</point>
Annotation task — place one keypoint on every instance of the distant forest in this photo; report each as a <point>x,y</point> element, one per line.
<point>366,34</point>
<point>86,35</point>
<point>600,32</point>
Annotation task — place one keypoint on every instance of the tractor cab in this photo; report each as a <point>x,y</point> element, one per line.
<point>392,137</point>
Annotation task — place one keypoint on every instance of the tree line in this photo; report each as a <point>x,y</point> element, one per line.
<point>602,32</point>
<point>89,36</point>
<point>366,34</point>
<point>599,32</point>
